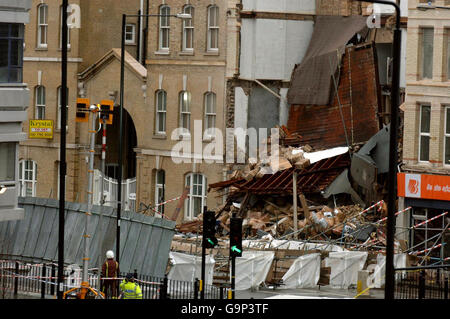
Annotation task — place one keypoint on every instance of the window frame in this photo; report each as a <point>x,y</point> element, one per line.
<point>59,97</point>
<point>446,133</point>
<point>185,113</point>
<point>188,29</point>
<point>188,206</point>
<point>160,187</point>
<point>211,28</point>
<point>23,181</point>
<point>422,53</point>
<point>10,38</point>
<point>42,27</point>
<point>60,29</point>
<point>10,160</point>
<point>164,28</point>
<point>39,106</point>
<point>210,132</point>
<point>423,134</point>
<point>160,95</point>
<point>133,34</point>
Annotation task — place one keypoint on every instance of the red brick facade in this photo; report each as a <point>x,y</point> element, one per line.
<point>321,125</point>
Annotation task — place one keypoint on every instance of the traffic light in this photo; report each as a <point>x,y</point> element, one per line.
<point>209,229</point>
<point>82,114</point>
<point>106,111</point>
<point>235,237</point>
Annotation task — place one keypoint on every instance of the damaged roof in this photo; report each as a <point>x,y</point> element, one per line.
<point>312,179</point>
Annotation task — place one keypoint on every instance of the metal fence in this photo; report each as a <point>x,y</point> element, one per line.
<point>427,282</point>
<point>19,278</point>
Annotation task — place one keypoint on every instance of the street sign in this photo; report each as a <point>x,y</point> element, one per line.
<point>41,129</point>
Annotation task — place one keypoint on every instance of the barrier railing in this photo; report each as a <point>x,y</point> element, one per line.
<point>21,278</point>
<point>427,282</point>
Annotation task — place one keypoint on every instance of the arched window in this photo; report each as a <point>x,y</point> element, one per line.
<point>213,28</point>
<point>210,114</point>
<point>39,94</point>
<point>27,178</point>
<point>188,29</point>
<point>161,109</point>
<point>196,199</point>
<point>185,110</point>
<point>42,25</point>
<point>164,28</point>
<point>59,106</point>
<point>160,182</point>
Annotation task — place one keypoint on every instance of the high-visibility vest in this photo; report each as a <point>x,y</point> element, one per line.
<point>130,290</point>
<point>107,271</point>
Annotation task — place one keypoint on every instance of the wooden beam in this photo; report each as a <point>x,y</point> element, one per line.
<point>304,206</point>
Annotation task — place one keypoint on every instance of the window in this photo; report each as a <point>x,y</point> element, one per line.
<point>210,113</point>
<point>60,28</point>
<point>164,28</point>
<point>42,26</point>
<point>112,170</point>
<point>161,100</point>
<point>160,177</point>
<point>447,46</point>
<point>8,162</point>
<point>59,107</point>
<point>426,47</point>
<point>185,110</point>
<point>188,29</point>
<point>27,178</point>
<point>213,28</point>
<point>11,49</point>
<point>196,199</point>
<point>130,33</point>
<point>424,133</point>
<point>39,103</point>
<point>447,136</point>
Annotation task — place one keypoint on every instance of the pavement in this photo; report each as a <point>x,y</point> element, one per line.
<point>321,292</point>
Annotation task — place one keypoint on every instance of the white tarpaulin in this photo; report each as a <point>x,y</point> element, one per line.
<point>289,244</point>
<point>188,267</point>
<point>304,272</point>
<point>252,268</point>
<point>345,267</point>
<point>379,274</point>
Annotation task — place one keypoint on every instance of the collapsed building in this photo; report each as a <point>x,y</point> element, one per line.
<point>325,204</point>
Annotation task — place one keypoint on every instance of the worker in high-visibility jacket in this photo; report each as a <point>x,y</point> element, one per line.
<point>130,289</point>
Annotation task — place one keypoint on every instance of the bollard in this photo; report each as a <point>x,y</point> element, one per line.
<point>446,287</point>
<point>422,284</point>
<point>52,286</point>
<point>16,280</point>
<point>196,286</point>
<point>163,290</point>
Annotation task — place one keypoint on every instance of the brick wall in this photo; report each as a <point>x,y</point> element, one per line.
<point>321,125</point>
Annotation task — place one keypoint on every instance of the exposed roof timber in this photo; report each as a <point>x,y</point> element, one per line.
<point>276,15</point>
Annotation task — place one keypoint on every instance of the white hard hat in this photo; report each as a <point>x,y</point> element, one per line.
<point>109,254</point>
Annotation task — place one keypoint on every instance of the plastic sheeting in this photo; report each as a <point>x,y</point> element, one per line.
<point>304,272</point>
<point>252,268</point>
<point>188,268</point>
<point>345,267</point>
<point>290,244</point>
<point>379,274</point>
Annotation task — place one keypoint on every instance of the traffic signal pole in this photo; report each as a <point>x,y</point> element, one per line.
<point>202,282</point>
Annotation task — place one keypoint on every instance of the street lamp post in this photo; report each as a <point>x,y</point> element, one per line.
<point>393,156</point>
<point>122,87</point>
<point>62,150</point>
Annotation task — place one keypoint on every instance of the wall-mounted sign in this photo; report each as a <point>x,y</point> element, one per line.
<point>41,129</point>
<point>423,186</point>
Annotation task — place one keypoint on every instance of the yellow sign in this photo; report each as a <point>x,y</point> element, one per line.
<point>41,129</point>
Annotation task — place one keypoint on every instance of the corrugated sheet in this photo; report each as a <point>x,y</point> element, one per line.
<point>145,240</point>
<point>312,179</point>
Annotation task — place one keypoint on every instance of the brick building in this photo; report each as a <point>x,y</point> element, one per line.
<point>423,183</point>
<point>174,77</point>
